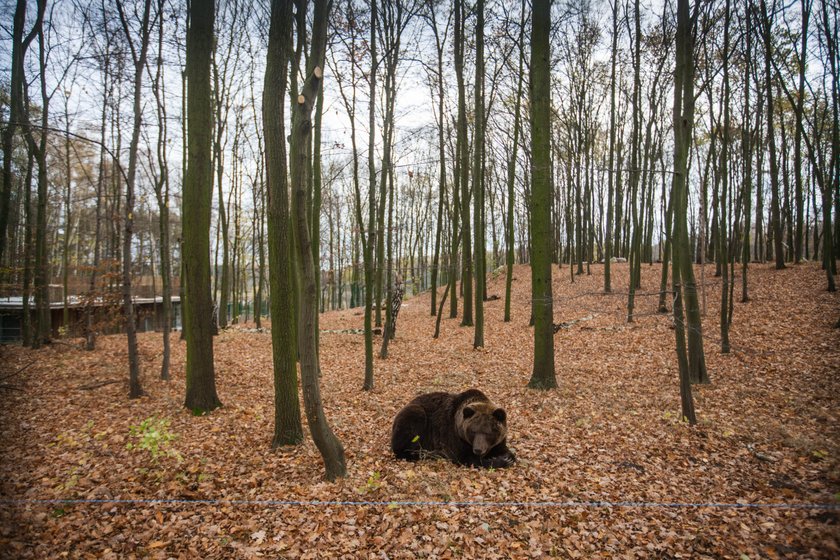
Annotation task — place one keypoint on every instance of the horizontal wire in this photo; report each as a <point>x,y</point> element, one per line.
<point>425,503</point>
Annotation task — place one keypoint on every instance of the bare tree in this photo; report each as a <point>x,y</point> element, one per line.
<point>198,192</point>
<point>542,301</point>
<point>328,444</point>
<point>138,56</point>
<point>287,424</point>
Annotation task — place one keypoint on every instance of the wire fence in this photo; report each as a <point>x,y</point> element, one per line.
<point>548,504</point>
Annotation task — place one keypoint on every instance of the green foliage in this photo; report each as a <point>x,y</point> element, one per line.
<point>819,454</point>
<point>153,435</point>
<point>373,483</point>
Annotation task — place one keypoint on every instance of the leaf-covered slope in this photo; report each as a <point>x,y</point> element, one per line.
<point>767,434</point>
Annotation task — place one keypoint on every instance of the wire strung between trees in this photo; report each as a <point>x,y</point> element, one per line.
<point>547,504</point>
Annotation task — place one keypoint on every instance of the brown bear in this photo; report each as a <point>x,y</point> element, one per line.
<point>465,428</point>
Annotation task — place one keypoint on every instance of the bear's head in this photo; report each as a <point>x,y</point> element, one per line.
<point>483,425</point>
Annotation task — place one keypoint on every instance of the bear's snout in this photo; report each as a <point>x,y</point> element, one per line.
<point>481,446</point>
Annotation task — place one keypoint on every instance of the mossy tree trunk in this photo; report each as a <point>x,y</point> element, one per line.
<point>542,304</point>
<point>478,178</point>
<point>288,429</point>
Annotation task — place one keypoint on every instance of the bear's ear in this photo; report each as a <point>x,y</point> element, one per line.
<point>500,415</point>
<point>468,412</point>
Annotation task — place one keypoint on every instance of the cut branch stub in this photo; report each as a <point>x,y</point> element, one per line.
<point>301,99</point>
<point>318,72</point>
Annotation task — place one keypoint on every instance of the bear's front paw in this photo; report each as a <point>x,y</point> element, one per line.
<point>500,461</point>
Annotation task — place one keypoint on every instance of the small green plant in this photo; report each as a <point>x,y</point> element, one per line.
<point>373,483</point>
<point>153,435</point>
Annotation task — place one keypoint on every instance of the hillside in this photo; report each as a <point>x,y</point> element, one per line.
<point>768,435</point>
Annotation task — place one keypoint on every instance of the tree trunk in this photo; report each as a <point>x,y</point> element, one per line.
<point>369,246</point>
<point>724,191</point>
<point>16,108</point>
<point>329,446</point>
<point>462,152</point>
<point>771,139</point>
<point>683,124</point>
<point>288,429</point>
<point>543,375</point>
<point>26,322</point>
<point>511,179</point>
<point>478,178</point>
<point>139,59</point>
<point>162,194</point>
<point>635,147</point>
<point>442,156</point>
<point>197,197</point>
<point>43,329</point>
<point>747,143</point>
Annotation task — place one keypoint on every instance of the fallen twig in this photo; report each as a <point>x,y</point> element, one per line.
<point>97,385</point>
<point>569,324</point>
<point>18,372</point>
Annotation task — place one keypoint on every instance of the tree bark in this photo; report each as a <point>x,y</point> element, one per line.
<point>16,109</point>
<point>369,247</point>
<point>767,33</point>
<point>511,179</point>
<point>198,193</point>
<point>288,429</point>
<point>542,302</point>
<point>683,124</point>
<point>462,151</point>
<point>478,179</point>
<point>139,59</point>
<point>325,440</point>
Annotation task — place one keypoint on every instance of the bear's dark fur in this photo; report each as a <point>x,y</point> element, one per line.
<point>465,428</point>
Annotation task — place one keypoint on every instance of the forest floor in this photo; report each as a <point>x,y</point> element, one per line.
<point>768,435</point>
